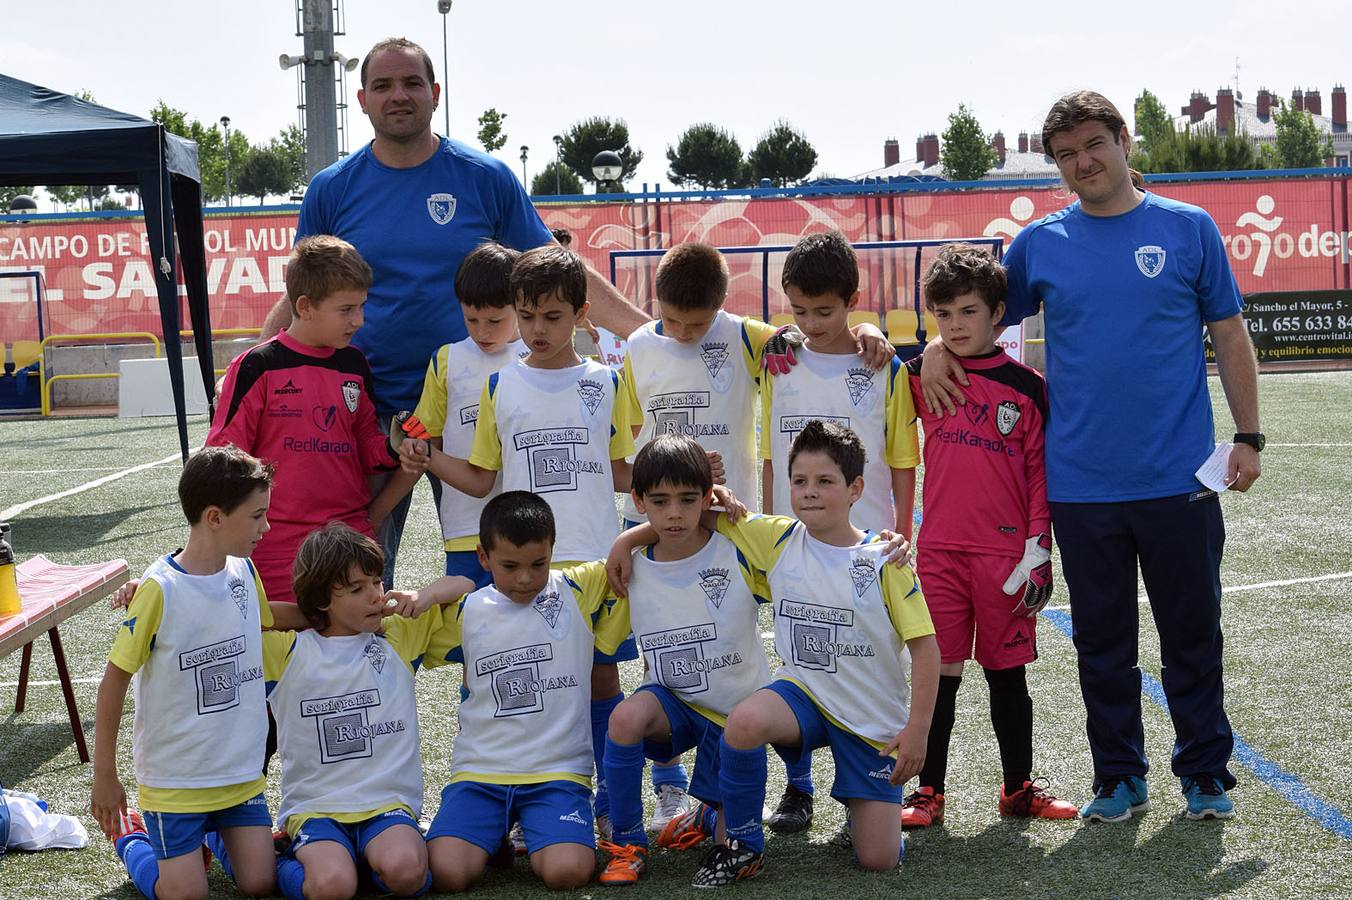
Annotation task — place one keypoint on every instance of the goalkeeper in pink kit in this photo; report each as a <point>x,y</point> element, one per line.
<point>984,549</point>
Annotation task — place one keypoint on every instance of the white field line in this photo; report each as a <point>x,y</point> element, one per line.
<point>95,679</point>
<point>88,485</point>
<point>1256,586</point>
<point>1308,445</point>
<point>58,471</point>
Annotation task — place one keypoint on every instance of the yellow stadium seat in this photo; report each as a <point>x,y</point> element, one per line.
<point>779,320</point>
<point>860,316</point>
<point>901,325</point>
<point>755,318</point>
<point>26,353</point>
<point>931,326</point>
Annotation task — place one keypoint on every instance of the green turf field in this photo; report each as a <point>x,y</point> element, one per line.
<point>1289,693</point>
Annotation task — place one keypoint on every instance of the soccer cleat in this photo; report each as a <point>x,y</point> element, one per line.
<point>1206,798</point>
<point>922,808</point>
<point>728,864</point>
<point>280,841</point>
<point>1034,801</point>
<point>671,802</point>
<point>1117,799</point>
<point>626,866</point>
<point>517,837</point>
<point>128,823</point>
<point>793,814</point>
<point>604,829</point>
<point>686,831</point>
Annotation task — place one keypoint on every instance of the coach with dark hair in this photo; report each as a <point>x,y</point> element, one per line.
<point>1128,280</point>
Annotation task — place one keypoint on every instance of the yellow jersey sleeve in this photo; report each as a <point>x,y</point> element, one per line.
<point>410,638</point>
<point>136,635</point>
<point>905,603</point>
<point>486,452</point>
<point>767,398</point>
<point>608,616</point>
<point>277,649</point>
<point>264,611</point>
<point>628,397</point>
<point>755,333</point>
<point>431,409</point>
<point>902,446</point>
<point>443,643</point>
<point>621,427</point>
<point>760,539</point>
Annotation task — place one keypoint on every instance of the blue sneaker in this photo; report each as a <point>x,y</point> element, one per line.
<point>1117,799</point>
<point>1206,798</point>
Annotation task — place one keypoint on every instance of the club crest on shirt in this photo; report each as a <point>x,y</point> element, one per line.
<point>714,356</point>
<point>1150,260</point>
<point>591,394</point>
<point>1007,415</point>
<point>859,382</point>
<point>863,574</point>
<point>714,583</point>
<point>441,207</point>
<point>240,596</point>
<point>351,394</point>
<point>549,605</point>
<point>375,654</point>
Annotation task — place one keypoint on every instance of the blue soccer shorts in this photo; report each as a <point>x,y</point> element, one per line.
<point>174,834</point>
<point>688,729</point>
<point>354,836</point>
<point>466,563</point>
<point>550,812</point>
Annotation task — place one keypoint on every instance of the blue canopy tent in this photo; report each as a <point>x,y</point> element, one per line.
<point>47,137</point>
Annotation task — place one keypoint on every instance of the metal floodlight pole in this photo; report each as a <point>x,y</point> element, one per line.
<point>558,164</point>
<point>225,123</point>
<point>444,7</point>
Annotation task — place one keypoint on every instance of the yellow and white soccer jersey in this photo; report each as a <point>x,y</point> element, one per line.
<point>347,719</point>
<point>695,621</point>
<point>194,646</point>
<point>842,617</point>
<point>527,717</point>
<point>700,390</point>
<point>838,387</point>
<point>554,432</point>
<point>449,409</point>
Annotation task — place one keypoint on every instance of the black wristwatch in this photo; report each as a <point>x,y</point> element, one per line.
<point>1254,439</point>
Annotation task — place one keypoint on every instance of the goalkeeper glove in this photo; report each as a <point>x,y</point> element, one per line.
<point>406,425</point>
<point>1032,576</point>
<point>778,356</point>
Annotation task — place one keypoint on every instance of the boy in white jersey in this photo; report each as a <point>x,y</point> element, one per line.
<point>693,608</point>
<point>523,752</point>
<point>449,406</point>
<point>821,279</point>
<point>696,371</point>
<point>347,720</point>
<point>192,638</point>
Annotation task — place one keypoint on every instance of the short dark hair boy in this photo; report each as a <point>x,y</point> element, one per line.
<point>692,276</point>
<point>961,269</point>
<point>548,270</point>
<point>484,279</point>
<point>820,264</point>
<point>518,517</point>
<point>836,441</point>
<point>324,560</point>
<point>220,476</point>
<point>673,459</point>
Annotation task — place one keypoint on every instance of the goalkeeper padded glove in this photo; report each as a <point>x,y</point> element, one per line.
<point>405,424</point>
<point>1032,576</point>
<point>778,356</point>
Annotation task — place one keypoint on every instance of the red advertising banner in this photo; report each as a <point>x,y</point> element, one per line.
<point>1281,235</point>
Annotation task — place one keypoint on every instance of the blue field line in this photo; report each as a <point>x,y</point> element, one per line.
<point>1268,772</point>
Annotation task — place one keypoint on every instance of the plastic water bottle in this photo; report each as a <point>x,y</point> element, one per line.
<point>9,584</point>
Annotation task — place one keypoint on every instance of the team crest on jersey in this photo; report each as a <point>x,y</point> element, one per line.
<point>591,394</point>
<point>441,207</point>
<point>715,355</point>
<point>1007,415</point>
<point>714,583</point>
<point>549,606</point>
<point>1150,260</point>
<point>240,596</point>
<point>863,574</point>
<point>375,654</point>
<point>351,394</point>
<point>859,382</point>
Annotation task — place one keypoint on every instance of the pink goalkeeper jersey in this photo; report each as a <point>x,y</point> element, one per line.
<point>985,487</point>
<point>308,411</point>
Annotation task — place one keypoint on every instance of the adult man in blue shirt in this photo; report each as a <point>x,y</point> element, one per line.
<point>415,204</point>
<point>1127,280</point>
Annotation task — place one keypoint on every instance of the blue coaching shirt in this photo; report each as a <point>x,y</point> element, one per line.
<point>414,226</point>
<point>1125,299</point>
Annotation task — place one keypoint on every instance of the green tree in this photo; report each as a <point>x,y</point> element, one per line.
<point>290,143</point>
<point>1153,123</point>
<point>555,178</point>
<point>1198,149</point>
<point>967,154</point>
<point>583,140</point>
<point>783,155</point>
<point>705,155</point>
<point>212,154</point>
<point>265,171</point>
<point>491,134</point>
<point>1300,142</point>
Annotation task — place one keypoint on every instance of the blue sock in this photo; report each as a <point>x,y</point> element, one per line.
<point>139,858</point>
<point>624,787</point>
<point>799,772</point>
<point>708,819</point>
<point>217,847</point>
<point>600,723</point>
<point>741,781</point>
<point>674,775</point>
<point>290,878</point>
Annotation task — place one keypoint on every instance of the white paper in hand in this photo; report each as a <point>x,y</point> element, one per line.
<point>1217,466</point>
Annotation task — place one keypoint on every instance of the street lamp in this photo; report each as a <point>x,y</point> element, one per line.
<point>524,151</point>
<point>606,166</point>
<point>444,7</point>
<point>558,164</point>
<point>225,123</point>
